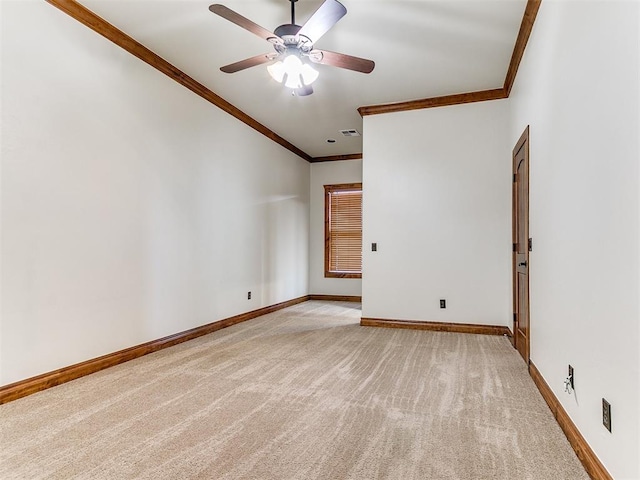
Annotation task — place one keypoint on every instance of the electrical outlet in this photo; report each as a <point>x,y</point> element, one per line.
<point>248,295</point>
<point>443,303</point>
<point>571,380</point>
<point>606,414</point>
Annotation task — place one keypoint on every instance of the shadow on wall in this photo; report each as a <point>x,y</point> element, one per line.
<point>284,218</point>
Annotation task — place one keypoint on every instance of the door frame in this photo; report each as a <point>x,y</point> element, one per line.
<point>523,142</point>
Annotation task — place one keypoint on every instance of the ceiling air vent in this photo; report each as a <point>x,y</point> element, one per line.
<point>352,132</point>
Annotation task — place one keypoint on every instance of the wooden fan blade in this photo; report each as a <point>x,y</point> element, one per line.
<point>241,21</point>
<point>247,63</point>
<point>344,61</point>
<point>322,20</point>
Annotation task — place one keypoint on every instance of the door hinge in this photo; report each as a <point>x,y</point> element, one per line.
<point>515,247</point>
<point>514,178</point>
<point>515,316</point>
<point>530,244</point>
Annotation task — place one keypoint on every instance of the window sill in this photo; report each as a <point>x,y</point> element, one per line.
<point>342,275</point>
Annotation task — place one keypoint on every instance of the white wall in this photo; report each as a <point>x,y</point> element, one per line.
<point>328,173</point>
<point>577,87</point>
<point>437,200</point>
<point>1,129</point>
<point>131,208</point>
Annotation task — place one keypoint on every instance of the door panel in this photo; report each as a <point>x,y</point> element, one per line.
<point>521,320</point>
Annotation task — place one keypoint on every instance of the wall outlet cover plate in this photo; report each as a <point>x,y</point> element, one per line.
<point>606,414</point>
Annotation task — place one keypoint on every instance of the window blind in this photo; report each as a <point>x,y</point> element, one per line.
<point>345,230</point>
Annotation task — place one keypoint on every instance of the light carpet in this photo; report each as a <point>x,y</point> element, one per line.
<point>303,393</point>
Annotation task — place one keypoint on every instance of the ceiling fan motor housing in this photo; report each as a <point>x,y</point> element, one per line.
<point>287,30</point>
<point>291,42</point>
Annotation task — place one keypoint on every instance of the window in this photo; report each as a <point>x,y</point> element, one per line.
<point>343,230</point>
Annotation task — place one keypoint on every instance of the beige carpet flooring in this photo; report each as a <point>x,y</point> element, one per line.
<point>303,393</point>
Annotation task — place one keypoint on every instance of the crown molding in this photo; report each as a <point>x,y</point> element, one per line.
<point>336,158</point>
<point>110,32</point>
<point>444,101</point>
<point>528,19</point>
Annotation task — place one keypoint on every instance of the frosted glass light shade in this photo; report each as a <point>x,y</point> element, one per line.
<point>276,71</point>
<point>293,72</point>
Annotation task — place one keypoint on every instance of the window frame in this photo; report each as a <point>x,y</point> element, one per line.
<point>328,190</point>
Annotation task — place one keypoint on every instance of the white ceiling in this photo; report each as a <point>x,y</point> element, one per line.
<point>422,49</point>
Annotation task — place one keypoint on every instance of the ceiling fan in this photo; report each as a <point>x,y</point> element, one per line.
<point>293,44</point>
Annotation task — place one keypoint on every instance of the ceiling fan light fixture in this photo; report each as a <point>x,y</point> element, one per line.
<point>309,74</point>
<point>294,45</point>
<point>277,71</point>
<point>293,72</point>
